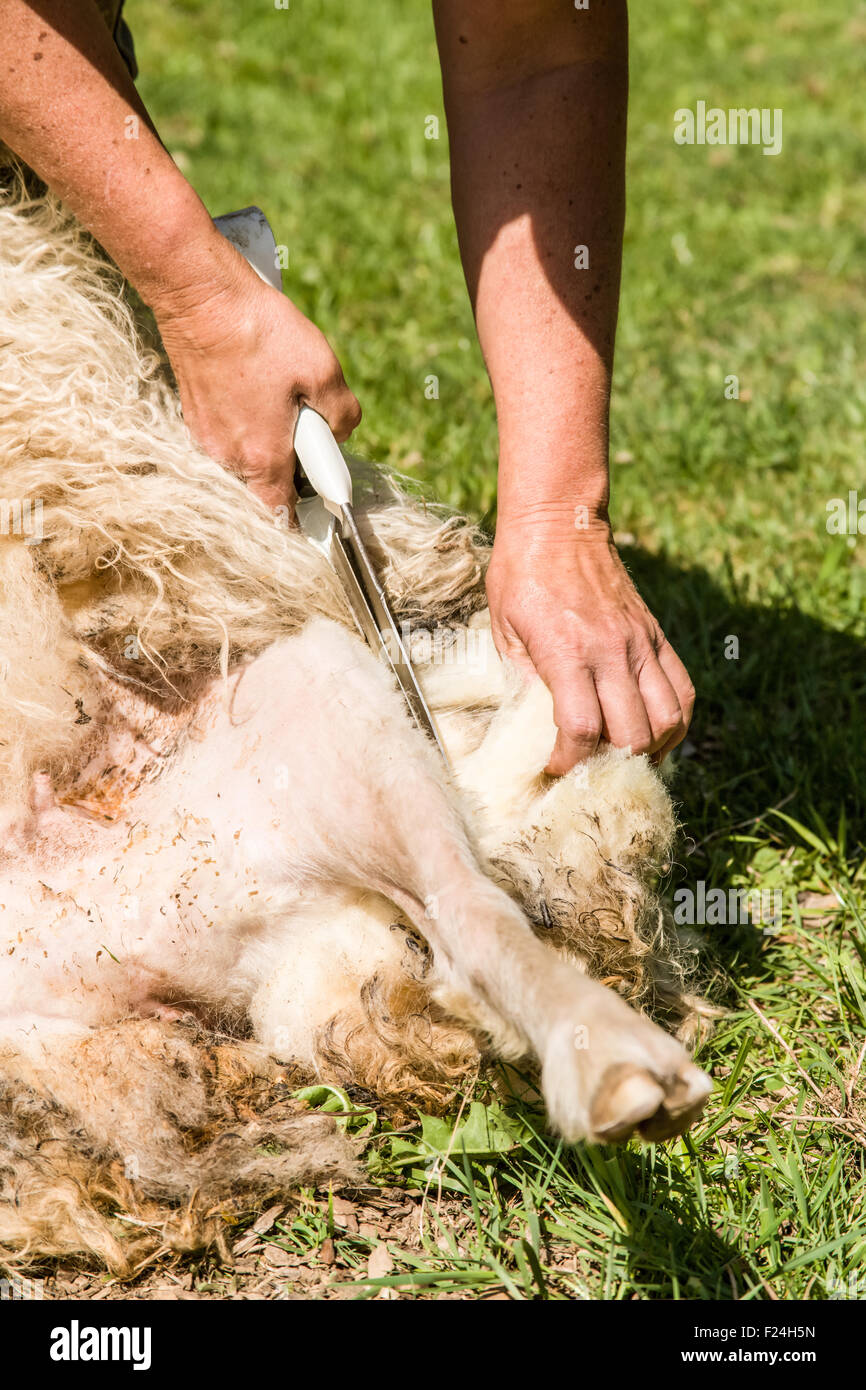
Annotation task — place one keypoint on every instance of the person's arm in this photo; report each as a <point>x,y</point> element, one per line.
<point>536,96</point>
<point>243,355</point>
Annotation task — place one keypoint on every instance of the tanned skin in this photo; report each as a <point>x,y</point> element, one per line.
<point>536,97</point>
<point>244,357</point>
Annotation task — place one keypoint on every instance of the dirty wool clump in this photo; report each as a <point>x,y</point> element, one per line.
<point>221,1131</point>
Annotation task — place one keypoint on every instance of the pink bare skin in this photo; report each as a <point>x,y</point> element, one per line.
<point>190,894</point>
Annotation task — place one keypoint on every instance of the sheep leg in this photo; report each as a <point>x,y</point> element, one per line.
<point>369,806</point>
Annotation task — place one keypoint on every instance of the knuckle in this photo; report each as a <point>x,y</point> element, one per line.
<point>344,418</point>
<point>615,650</point>
<point>582,728</point>
<point>257,460</point>
<point>670,720</point>
<point>639,742</point>
<point>325,373</point>
<point>688,695</point>
<point>333,372</point>
<point>335,384</point>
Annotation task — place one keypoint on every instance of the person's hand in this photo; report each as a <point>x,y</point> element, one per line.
<point>563,606</point>
<point>245,360</point>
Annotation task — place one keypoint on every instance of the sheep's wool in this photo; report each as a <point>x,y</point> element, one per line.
<point>131,561</point>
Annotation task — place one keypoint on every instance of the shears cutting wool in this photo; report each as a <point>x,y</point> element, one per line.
<point>327,517</point>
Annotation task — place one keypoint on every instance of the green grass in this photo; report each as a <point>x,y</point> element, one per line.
<point>735,263</point>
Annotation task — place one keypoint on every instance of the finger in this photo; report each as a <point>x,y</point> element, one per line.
<point>685,692</point>
<point>679,679</point>
<point>661,704</point>
<point>340,408</point>
<point>509,646</point>
<point>625,722</point>
<point>577,716</point>
<point>270,476</point>
<point>278,495</point>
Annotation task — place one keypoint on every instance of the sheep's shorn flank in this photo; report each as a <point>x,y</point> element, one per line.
<point>228,861</point>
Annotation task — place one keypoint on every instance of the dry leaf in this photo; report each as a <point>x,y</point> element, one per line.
<point>278,1257</point>
<point>819,908</point>
<point>380,1262</point>
<point>267,1218</point>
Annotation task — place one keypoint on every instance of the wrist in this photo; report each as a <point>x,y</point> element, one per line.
<point>551,472</point>
<point>576,510</point>
<point>190,265</point>
<point>541,544</point>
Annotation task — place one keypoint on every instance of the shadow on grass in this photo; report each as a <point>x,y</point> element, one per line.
<point>783,722</point>
<point>638,1213</point>
<point>775,727</point>
<point>780,725</point>
<point>671,1249</point>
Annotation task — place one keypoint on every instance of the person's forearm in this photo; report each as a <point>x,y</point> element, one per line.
<point>537,126</point>
<point>69,109</point>
<point>243,355</point>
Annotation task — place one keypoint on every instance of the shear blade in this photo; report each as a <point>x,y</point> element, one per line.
<point>374,618</point>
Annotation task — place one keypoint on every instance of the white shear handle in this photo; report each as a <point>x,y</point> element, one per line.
<point>322,460</point>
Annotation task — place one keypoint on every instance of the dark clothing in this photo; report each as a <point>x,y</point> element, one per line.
<point>112,13</point>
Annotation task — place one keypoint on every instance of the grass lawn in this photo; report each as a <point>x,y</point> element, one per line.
<point>735,264</point>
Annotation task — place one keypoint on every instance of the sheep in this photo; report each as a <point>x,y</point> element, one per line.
<point>228,858</point>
